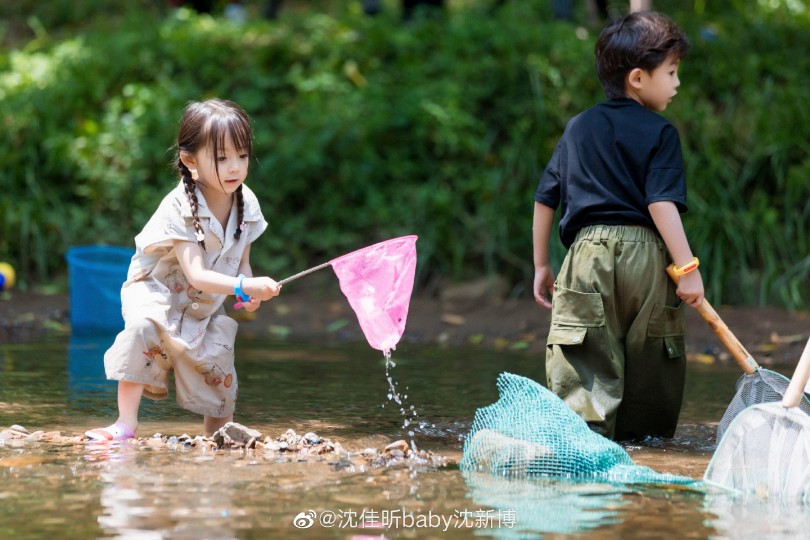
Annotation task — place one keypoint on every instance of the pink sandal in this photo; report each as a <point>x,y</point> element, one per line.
<point>116,432</point>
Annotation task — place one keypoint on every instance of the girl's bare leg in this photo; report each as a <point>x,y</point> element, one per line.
<point>129,401</point>
<point>213,423</point>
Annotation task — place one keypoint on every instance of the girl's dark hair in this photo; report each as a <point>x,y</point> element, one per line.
<point>640,40</point>
<point>208,123</point>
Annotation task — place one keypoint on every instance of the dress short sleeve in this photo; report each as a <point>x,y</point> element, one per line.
<point>256,230</point>
<point>254,220</point>
<point>178,222</point>
<point>171,221</point>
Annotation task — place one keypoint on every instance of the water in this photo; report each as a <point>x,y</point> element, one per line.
<point>409,413</point>
<point>340,392</point>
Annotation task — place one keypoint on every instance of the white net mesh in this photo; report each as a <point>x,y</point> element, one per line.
<point>765,452</point>
<point>762,386</point>
<point>531,433</point>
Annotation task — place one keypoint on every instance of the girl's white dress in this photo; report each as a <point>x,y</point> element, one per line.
<point>171,326</point>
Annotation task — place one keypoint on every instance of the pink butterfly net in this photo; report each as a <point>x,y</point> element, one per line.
<point>377,281</point>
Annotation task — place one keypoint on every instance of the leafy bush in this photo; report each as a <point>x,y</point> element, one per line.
<point>367,128</point>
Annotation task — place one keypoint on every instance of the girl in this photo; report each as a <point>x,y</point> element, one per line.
<point>193,253</point>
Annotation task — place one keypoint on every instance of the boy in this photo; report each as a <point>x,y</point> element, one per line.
<point>615,351</point>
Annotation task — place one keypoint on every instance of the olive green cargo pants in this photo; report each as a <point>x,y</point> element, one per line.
<point>615,351</point>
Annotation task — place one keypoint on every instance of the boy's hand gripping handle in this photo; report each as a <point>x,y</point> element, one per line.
<point>740,354</point>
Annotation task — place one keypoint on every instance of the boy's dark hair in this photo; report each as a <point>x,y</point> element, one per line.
<point>640,40</point>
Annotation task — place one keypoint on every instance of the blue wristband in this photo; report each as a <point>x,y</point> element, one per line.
<point>237,289</point>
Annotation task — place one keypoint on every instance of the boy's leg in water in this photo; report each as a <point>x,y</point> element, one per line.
<point>584,364</point>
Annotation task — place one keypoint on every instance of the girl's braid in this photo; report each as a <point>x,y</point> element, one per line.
<point>240,215</point>
<point>190,185</point>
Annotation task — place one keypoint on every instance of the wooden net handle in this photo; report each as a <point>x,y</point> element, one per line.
<point>795,390</point>
<point>740,354</point>
<point>304,273</point>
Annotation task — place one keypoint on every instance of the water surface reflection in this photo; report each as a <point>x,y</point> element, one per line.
<point>340,392</point>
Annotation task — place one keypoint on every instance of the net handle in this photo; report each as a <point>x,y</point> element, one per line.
<point>353,253</point>
<point>305,272</point>
<point>740,354</point>
<point>795,390</point>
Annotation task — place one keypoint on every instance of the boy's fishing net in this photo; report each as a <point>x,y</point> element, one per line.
<point>531,433</point>
<point>765,452</point>
<point>761,386</point>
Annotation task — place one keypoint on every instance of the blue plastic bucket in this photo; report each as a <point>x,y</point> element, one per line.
<point>96,274</point>
<point>88,386</point>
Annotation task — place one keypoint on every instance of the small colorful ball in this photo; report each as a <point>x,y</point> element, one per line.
<point>7,276</point>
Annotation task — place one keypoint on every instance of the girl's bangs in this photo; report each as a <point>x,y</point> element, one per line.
<point>235,127</point>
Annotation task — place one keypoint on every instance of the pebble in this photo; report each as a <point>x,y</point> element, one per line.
<point>155,442</point>
<point>288,446</point>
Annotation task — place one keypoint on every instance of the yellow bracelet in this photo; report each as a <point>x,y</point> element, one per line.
<point>685,269</point>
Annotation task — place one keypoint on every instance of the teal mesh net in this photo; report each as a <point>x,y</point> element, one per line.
<point>531,433</point>
<point>535,507</point>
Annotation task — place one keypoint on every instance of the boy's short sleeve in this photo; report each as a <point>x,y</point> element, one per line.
<point>548,189</point>
<point>666,180</point>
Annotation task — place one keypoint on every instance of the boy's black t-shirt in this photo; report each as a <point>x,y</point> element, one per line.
<point>612,161</point>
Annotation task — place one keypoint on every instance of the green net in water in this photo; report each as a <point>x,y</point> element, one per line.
<point>531,433</point>
<point>534,507</point>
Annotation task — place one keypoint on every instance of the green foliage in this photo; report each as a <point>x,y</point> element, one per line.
<point>368,128</point>
<point>746,142</point>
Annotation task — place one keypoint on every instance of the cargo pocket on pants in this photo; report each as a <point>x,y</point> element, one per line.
<point>566,335</point>
<point>666,323</point>
<point>572,314</point>
<point>577,332</point>
<point>574,308</point>
<point>578,359</point>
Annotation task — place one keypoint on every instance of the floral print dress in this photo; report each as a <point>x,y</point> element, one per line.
<point>169,325</point>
